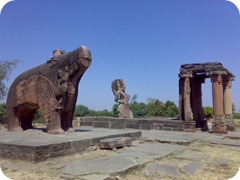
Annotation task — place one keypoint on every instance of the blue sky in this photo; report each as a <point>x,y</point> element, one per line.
<point>143,42</point>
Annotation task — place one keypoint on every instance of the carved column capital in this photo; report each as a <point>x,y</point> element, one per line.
<point>227,84</point>
<point>216,79</point>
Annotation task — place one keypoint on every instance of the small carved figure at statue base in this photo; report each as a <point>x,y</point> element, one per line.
<point>120,97</point>
<point>51,87</point>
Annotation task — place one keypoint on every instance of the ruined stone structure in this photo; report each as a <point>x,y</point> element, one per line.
<point>190,95</point>
<point>120,97</point>
<point>51,87</point>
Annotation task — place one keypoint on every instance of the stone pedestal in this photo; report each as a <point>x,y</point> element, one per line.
<point>190,126</point>
<point>230,125</point>
<point>219,127</point>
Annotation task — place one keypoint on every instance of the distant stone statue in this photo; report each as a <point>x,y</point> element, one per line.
<point>120,97</point>
<point>51,87</point>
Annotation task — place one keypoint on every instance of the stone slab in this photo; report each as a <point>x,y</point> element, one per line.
<point>122,162</point>
<point>35,145</point>
<point>193,157</point>
<point>169,170</point>
<point>192,167</point>
<point>118,142</point>
<point>222,161</point>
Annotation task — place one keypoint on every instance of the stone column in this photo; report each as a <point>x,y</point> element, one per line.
<point>217,93</point>
<point>188,115</point>
<point>227,100</point>
<point>197,108</point>
<point>181,101</point>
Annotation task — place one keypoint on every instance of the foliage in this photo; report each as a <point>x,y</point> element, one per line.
<point>208,112</point>
<point>137,109</point>
<point>154,108</point>
<point>38,117</point>
<point>103,113</point>
<point>236,115</point>
<point>81,110</point>
<point>170,109</point>
<point>3,113</point>
<point>115,110</point>
<point>6,67</point>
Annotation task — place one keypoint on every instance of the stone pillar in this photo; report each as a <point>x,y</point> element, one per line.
<point>227,100</point>
<point>197,108</point>
<point>217,93</point>
<point>181,101</point>
<point>188,115</point>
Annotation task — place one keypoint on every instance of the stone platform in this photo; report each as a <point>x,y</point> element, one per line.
<point>36,145</point>
<point>155,123</point>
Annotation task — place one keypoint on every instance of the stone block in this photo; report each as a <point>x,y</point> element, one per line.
<point>86,123</point>
<point>158,126</point>
<point>115,142</point>
<point>116,125</point>
<point>146,127</point>
<point>101,124</point>
<point>132,126</point>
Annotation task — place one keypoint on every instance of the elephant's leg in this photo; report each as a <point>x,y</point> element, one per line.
<point>14,123</point>
<point>67,118</point>
<point>53,119</point>
<point>27,118</point>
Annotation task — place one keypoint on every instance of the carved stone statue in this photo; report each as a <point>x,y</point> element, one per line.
<point>51,87</point>
<point>120,97</point>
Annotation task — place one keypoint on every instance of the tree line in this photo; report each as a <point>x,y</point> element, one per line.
<point>153,108</point>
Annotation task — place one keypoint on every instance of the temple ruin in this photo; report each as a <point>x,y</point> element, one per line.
<point>190,96</point>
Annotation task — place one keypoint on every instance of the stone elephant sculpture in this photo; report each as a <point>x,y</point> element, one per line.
<point>51,87</point>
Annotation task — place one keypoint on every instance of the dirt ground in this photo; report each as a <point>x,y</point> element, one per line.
<point>210,170</point>
<point>51,168</point>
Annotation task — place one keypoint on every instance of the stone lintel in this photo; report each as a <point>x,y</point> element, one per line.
<point>186,75</point>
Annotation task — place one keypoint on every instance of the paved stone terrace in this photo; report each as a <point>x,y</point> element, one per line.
<point>36,145</point>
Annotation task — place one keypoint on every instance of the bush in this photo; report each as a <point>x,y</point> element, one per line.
<point>3,116</point>
<point>236,115</point>
<point>38,117</point>
<point>208,112</point>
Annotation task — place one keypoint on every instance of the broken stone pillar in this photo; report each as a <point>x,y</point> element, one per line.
<point>217,93</point>
<point>227,100</point>
<point>188,115</point>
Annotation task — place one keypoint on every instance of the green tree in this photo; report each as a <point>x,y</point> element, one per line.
<point>91,113</point>
<point>81,110</point>
<point>3,113</point>
<point>154,108</point>
<point>115,110</point>
<point>138,109</point>
<point>208,112</point>
<point>6,67</point>
<point>103,113</point>
<point>170,109</point>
